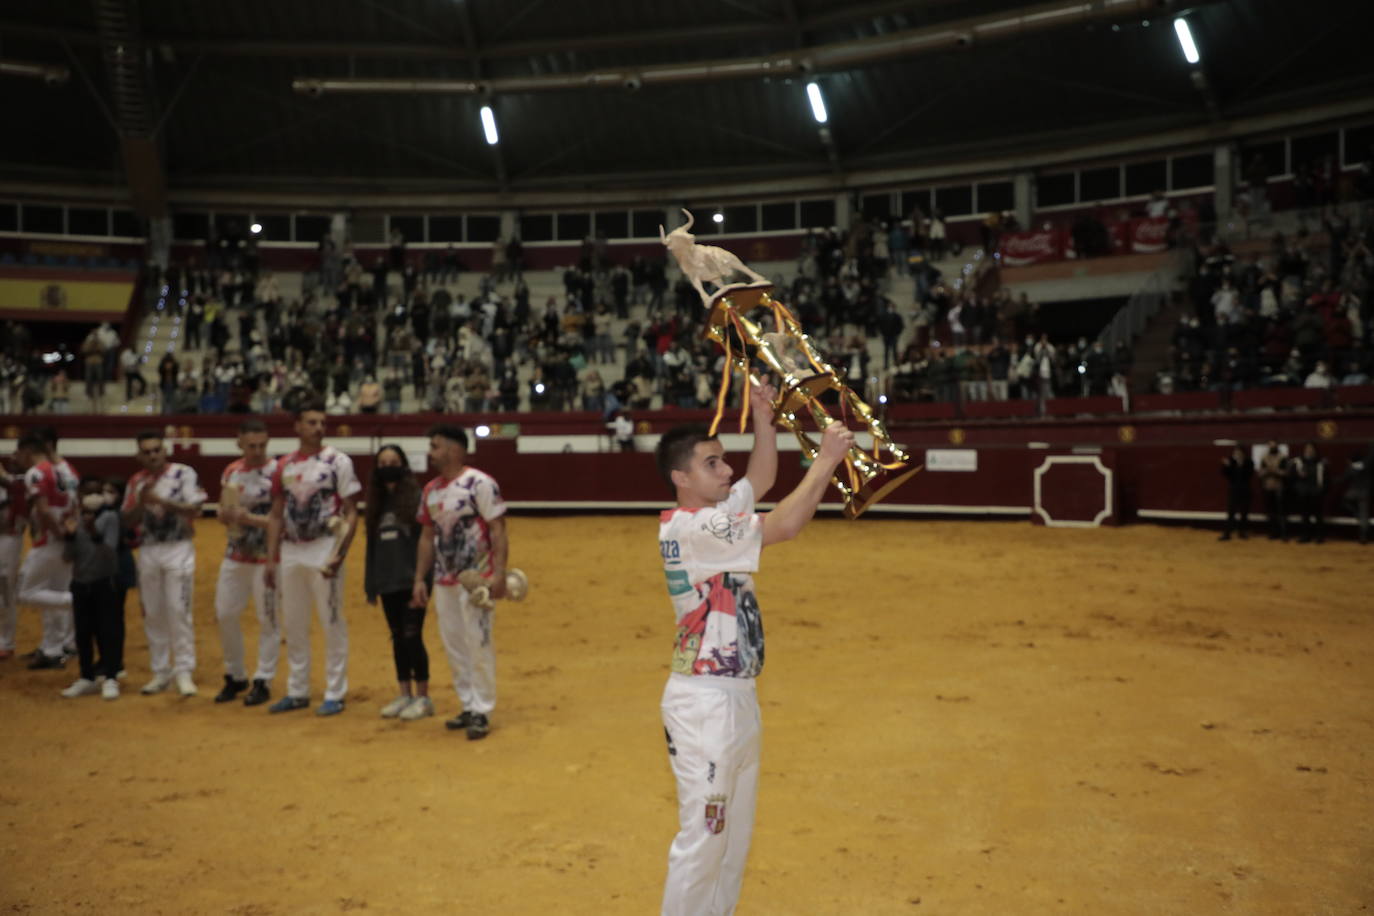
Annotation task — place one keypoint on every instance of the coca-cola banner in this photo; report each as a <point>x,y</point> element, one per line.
<point>1147,235</point>
<point>1021,248</point>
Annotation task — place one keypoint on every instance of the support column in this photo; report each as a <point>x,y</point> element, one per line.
<point>1224,180</point>
<point>1023,198</point>
<point>843,210</point>
<point>510,223</point>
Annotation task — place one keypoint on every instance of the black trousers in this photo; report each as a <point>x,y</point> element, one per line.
<point>1237,508</point>
<point>407,636</point>
<point>1278,521</point>
<point>1310,510</point>
<point>97,625</point>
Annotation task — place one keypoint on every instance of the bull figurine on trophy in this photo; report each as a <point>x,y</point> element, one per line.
<point>803,376</point>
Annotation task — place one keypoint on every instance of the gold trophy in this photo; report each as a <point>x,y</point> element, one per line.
<point>803,376</point>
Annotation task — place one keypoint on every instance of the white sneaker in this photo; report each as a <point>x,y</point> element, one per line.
<point>185,685</point>
<point>156,685</point>
<point>110,689</point>
<point>81,687</point>
<point>396,706</point>
<point>418,709</point>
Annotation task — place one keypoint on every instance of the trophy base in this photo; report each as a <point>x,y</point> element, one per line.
<point>874,490</point>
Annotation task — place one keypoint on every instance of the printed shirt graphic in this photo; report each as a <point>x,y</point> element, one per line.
<point>459,510</point>
<point>14,506</point>
<point>57,483</point>
<point>708,555</point>
<point>255,497</point>
<point>177,483</point>
<point>314,488</point>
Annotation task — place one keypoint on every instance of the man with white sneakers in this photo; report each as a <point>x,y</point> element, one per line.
<point>45,578</point>
<point>311,525</point>
<point>464,528</point>
<point>162,500</point>
<point>244,507</point>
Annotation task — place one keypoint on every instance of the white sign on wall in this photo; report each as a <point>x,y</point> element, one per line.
<point>951,459</point>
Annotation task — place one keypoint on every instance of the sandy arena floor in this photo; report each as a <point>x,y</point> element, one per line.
<point>959,718</point>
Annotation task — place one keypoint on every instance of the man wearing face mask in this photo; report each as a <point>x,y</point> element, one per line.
<point>163,499</point>
<point>244,506</point>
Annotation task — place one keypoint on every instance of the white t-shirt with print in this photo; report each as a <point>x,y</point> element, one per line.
<point>313,488</point>
<point>708,556</point>
<point>175,483</point>
<point>459,510</point>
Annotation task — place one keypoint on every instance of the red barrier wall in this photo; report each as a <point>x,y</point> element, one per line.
<point>1160,464</point>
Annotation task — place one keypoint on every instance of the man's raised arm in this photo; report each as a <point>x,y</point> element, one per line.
<point>797,507</point>
<point>763,460</point>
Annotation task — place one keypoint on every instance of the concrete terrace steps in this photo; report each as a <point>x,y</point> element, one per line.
<point>162,330</point>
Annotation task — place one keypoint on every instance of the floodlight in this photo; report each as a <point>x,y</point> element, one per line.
<point>813,92</point>
<point>489,125</point>
<point>1185,41</point>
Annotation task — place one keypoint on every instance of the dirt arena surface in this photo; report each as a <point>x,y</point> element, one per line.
<point>958,718</point>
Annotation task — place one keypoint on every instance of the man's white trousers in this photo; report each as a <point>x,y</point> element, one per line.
<point>166,580</point>
<point>466,633</point>
<point>237,583</point>
<point>712,726</point>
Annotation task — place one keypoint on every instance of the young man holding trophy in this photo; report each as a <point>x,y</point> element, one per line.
<point>710,546</point>
<point>245,504</point>
<point>310,527</point>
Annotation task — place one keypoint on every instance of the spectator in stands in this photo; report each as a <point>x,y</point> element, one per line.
<point>59,392</point>
<point>93,368</point>
<point>1097,369</point>
<point>1320,377</point>
<point>129,365</point>
<point>1239,472</point>
<point>1355,374</point>
<point>937,235</point>
<point>1359,480</point>
<point>369,395</point>
<point>1273,474</point>
<point>1310,480</point>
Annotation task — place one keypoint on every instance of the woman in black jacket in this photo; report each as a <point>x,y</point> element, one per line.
<point>393,536</point>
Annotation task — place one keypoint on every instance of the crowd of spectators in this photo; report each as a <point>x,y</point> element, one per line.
<point>1295,314</point>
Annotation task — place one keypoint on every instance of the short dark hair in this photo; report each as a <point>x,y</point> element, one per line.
<point>674,450</point>
<point>252,425</point>
<point>145,434</point>
<point>311,401</point>
<point>48,434</point>
<point>33,442</point>
<point>450,432</point>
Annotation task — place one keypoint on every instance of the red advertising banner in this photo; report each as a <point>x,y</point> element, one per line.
<point>1148,235</point>
<point>1021,248</point>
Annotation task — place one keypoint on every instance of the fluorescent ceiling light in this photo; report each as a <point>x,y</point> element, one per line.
<point>813,92</point>
<point>1185,41</point>
<point>489,125</point>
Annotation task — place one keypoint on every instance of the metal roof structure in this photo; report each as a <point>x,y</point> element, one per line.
<point>628,93</point>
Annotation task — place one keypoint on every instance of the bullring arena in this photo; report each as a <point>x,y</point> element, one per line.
<point>960,716</point>
<point>1099,275</point>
